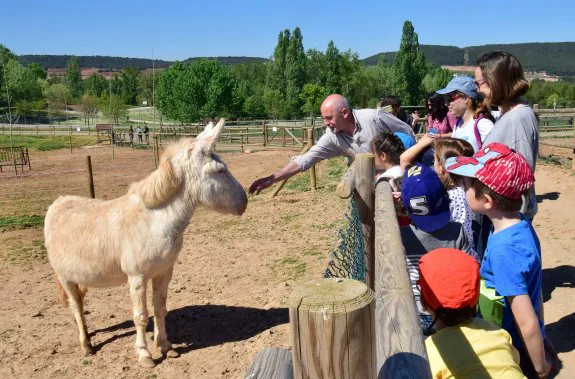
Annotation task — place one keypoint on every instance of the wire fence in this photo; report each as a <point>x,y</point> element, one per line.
<point>348,258</point>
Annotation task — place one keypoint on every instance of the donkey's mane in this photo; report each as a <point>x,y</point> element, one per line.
<point>162,184</point>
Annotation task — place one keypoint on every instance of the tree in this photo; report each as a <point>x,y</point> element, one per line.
<point>37,71</point>
<point>334,69</point>
<point>20,84</point>
<point>409,67</point>
<point>89,107</point>
<point>148,82</point>
<point>296,62</point>
<point>57,96</point>
<point>129,78</point>
<point>312,95</point>
<point>74,77</point>
<point>196,91</point>
<point>95,85</point>
<point>113,108</point>
<point>276,82</point>
<point>436,79</point>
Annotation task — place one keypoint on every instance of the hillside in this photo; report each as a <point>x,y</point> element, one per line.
<point>554,57</point>
<point>118,63</point>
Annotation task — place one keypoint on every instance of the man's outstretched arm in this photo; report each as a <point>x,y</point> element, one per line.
<point>286,172</point>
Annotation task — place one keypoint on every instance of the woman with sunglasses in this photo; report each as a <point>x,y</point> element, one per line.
<point>439,121</point>
<point>499,78</point>
<point>474,122</point>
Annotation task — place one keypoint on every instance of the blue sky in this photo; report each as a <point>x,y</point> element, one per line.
<point>182,29</point>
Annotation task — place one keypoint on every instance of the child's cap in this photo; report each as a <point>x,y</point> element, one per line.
<point>463,84</point>
<point>503,170</point>
<point>449,278</point>
<point>425,198</point>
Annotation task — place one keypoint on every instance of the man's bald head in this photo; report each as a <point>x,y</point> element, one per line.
<point>337,115</point>
<point>335,103</point>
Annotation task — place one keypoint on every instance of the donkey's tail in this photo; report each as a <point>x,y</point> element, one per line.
<point>64,295</point>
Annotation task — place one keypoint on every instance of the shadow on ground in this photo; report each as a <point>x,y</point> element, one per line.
<point>547,196</point>
<point>560,276</point>
<point>200,326</point>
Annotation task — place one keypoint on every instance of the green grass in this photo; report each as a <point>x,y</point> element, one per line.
<point>45,143</point>
<point>36,252</point>
<point>20,222</point>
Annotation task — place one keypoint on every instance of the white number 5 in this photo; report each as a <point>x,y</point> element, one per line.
<point>419,206</point>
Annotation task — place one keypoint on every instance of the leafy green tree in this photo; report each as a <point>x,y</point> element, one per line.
<point>95,85</point>
<point>312,95</point>
<point>409,67</point>
<point>74,77</point>
<point>89,107</point>
<point>276,81</point>
<point>436,78</point>
<point>57,97</point>
<point>148,83</point>
<point>249,93</point>
<point>129,78</point>
<point>316,67</point>
<point>274,102</point>
<point>296,63</point>
<point>113,108</point>
<point>334,69</point>
<point>191,92</point>
<point>20,84</point>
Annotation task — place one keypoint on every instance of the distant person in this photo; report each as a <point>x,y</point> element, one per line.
<point>427,204</point>
<point>474,122</point>
<point>396,109</point>
<point>463,346</point>
<point>131,134</point>
<point>495,178</point>
<point>439,121</point>
<point>349,132</point>
<point>139,132</point>
<point>147,133</point>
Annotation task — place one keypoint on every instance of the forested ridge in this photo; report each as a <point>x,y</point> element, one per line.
<point>554,57</point>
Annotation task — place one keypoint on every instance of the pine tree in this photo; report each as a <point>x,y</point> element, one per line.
<point>409,67</point>
<point>334,66</point>
<point>296,64</point>
<point>74,77</point>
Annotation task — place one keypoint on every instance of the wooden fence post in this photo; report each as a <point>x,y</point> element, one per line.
<point>90,177</point>
<point>400,348</point>
<point>265,131</point>
<point>332,324</point>
<point>312,177</point>
<point>364,178</point>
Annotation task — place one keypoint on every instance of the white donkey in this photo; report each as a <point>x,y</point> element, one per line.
<point>137,237</point>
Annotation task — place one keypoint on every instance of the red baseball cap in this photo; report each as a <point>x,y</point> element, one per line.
<point>500,168</point>
<point>449,279</point>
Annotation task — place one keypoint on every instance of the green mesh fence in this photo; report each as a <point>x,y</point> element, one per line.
<point>348,259</point>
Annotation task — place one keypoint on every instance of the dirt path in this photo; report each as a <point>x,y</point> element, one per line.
<point>228,296</point>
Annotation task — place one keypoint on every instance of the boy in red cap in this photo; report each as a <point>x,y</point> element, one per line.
<point>463,346</point>
<point>495,179</point>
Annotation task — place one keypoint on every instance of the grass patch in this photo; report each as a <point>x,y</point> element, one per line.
<point>299,182</point>
<point>550,160</point>
<point>36,252</point>
<point>46,143</point>
<point>20,222</point>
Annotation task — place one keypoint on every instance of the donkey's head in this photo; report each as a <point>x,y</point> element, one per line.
<point>192,169</point>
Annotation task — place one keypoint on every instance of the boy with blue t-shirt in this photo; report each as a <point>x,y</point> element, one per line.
<point>495,179</point>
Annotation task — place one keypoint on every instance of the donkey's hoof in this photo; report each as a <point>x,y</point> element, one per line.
<point>88,350</point>
<point>171,353</point>
<point>146,362</point>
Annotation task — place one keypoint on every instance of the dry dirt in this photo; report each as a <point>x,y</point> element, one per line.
<point>228,296</point>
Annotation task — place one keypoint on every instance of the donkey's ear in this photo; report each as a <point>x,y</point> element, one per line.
<point>209,137</point>
<point>204,132</point>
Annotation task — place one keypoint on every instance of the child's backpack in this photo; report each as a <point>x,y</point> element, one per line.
<point>475,130</point>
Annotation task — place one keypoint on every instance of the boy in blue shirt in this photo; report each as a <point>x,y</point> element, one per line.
<point>495,179</point>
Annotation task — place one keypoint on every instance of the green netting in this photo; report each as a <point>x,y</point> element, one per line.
<point>348,258</point>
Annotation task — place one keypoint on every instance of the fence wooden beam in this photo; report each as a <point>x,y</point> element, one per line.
<point>346,184</point>
<point>312,177</point>
<point>90,177</point>
<point>364,178</point>
<point>332,324</point>
<point>400,348</point>
<point>271,362</point>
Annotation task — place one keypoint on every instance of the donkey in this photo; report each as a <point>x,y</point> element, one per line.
<point>137,237</point>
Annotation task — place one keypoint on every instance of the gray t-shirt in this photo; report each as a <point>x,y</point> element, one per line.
<point>368,123</point>
<point>519,130</point>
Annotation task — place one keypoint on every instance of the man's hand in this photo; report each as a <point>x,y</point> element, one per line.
<point>261,184</point>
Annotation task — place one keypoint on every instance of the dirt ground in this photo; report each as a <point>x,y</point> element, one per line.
<point>228,296</point>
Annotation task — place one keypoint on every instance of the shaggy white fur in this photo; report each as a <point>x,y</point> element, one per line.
<point>137,237</point>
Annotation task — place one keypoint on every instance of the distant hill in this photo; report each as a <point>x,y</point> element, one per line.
<point>553,57</point>
<point>118,63</point>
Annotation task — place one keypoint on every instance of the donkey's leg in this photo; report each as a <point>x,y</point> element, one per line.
<point>160,285</point>
<point>138,286</point>
<point>76,303</point>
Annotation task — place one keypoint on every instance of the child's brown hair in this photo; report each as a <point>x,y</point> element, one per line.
<point>448,148</point>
